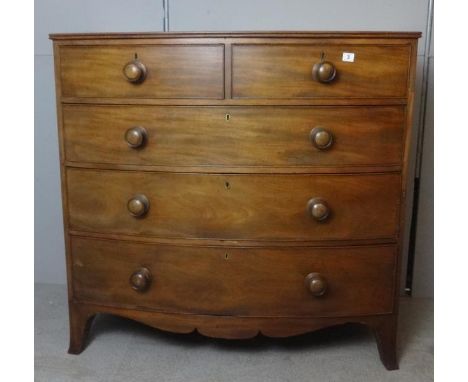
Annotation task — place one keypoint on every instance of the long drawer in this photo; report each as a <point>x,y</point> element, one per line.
<point>234,136</point>
<point>235,281</point>
<point>249,207</point>
<point>285,71</point>
<point>172,71</point>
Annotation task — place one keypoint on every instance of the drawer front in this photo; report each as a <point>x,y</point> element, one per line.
<point>234,136</point>
<point>285,71</point>
<point>235,281</point>
<point>263,207</point>
<point>172,71</point>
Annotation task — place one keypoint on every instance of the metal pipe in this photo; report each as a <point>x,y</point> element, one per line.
<point>166,15</point>
<point>425,81</point>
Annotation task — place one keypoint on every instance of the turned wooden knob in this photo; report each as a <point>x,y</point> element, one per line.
<point>323,72</point>
<point>140,280</point>
<point>318,209</point>
<point>136,137</point>
<point>316,284</point>
<point>135,71</point>
<point>138,206</point>
<point>321,138</point>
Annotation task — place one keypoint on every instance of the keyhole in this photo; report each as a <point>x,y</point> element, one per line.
<point>136,56</point>
<point>227,117</point>
<point>226,255</point>
<point>227,185</point>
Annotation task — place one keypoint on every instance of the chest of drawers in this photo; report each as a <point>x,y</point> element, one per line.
<point>235,183</point>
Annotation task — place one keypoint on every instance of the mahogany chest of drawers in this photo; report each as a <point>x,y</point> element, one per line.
<point>235,183</point>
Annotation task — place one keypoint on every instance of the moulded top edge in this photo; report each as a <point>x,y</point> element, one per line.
<point>246,34</point>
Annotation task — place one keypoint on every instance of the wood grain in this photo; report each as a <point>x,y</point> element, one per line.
<point>285,71</point>
<point>234,136</point>
<point>265,207</point>
<point>179,71</point>
<point>239,282</point>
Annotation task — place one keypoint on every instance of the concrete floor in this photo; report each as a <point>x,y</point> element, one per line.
<point>123,350</point>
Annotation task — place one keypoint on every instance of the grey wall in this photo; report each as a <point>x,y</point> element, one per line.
<point>146,15</point>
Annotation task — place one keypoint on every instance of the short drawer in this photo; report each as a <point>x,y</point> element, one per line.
<point>234,136</point>
<point>285,71</point>
<point>172,71</point>
<point>346,281</point>
<point>256,207</point>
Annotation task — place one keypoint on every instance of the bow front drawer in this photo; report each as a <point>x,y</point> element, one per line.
<point>316,71</point>
<point>142,71</point>
<point>246,207</point>
<point>234,136</point>
<point>303,281</point>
